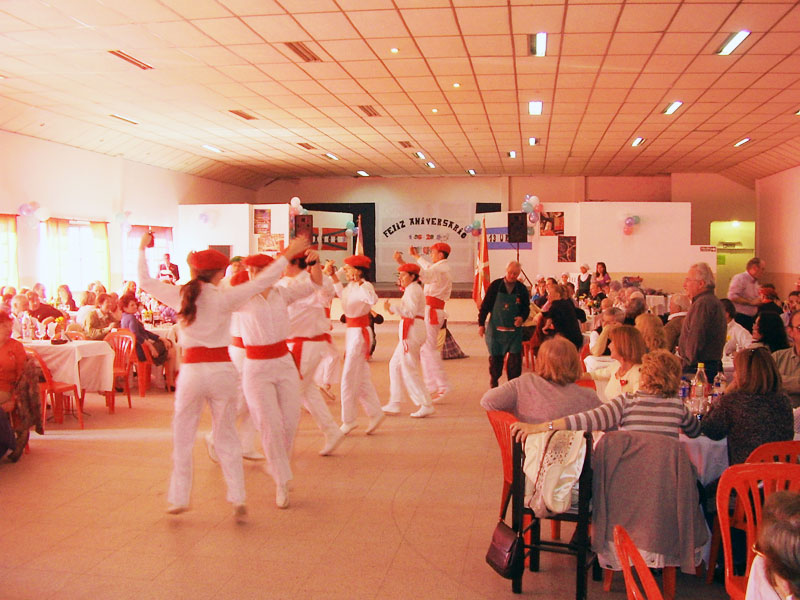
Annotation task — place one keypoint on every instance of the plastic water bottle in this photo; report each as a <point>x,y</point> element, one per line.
<point>683,392</point>
<point>720,383</point>
<point>699,389</point>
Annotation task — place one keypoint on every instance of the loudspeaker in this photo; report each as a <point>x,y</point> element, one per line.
<point>517,228</point>
<point>304,225</point>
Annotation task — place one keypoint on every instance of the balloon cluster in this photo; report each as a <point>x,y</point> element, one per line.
<point>296,207</point>
<point>34,213</point>
<point>350,229</point>
<point>532,207</point>
<point>474,228</point>
<point>629,223</point>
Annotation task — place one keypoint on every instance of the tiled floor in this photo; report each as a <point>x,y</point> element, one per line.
<point>405,513</point>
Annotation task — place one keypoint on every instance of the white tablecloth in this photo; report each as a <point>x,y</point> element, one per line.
<point>86,363</point>
<point>709,457</point>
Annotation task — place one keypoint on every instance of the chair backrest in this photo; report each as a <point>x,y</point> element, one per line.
<point>123,342</point>
<point>784,452</point>
<point>752,484</point>
<point>48,377</point>
<point>501,423</point>
<point>628,553</point>
<point>587,383</point>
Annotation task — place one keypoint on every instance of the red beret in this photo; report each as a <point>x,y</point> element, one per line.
<point>240,277</point>
<point>409,268</point>
<point>207,260</point>
<point>358,260</point>
<point>258,260</point>
<point>442,247</point>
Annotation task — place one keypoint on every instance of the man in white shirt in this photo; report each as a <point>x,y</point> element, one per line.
<point>678,307</point>
<point>737,338</point>
<point>744,292</point>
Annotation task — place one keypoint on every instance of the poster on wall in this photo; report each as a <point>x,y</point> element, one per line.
<point>497,238</point>
<point>262,222</point>
<point>551,223</point>
<point>332,238</point>
<point>270,242</point>
<point>567,249</point>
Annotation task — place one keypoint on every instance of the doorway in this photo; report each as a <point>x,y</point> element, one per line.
<point>736,244</point>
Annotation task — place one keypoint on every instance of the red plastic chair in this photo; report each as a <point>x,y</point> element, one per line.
<point>587,383</point>
<point>123,342</point>
<point>57,390</point>
<point>751,484</point>
<point>501,423</point>
<point>527,354</point>
<point>628,553</point>
<point>75,335</point>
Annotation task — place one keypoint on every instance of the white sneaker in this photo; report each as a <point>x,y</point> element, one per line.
<point>176,509</point>
<point>375,422</point>
<point>332,441</point>
<point>348,427</point>
<point>253,455</point>
<point>393,408</point>
<point>282,496</point>
<point>439,395</point>
<point>212,453</point>
<point>423,411</point>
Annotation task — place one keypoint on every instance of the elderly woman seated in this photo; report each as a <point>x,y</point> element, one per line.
<point>598,340</point>
<point>623,374</point>
<point>652,330</point>
<point>549,393</point>
<point>166,357</point>
<point>655,408</point>
<point>635,306</point>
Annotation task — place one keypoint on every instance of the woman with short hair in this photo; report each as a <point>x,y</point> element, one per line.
<point>652,330</point>
<point>775,572</point>
<point>627,348</point>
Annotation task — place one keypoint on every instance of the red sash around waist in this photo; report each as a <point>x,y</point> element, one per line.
<point>201,354</point>
<point>297,347</point>
<point>363,323</point>
<point>237,341</point>
<point>407,323</point>
<point>434,303</point>
<point>275,350</point>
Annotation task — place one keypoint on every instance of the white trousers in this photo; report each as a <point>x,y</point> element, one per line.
<point>404,369</point>
<point>329,370</point>
<point>247,429</point>
<point>431,357</point>
<point>357,384</point>
<point>313,353</point>
<point>218,385</point>
<point>271,387</point>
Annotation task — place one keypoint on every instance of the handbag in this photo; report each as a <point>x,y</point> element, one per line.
<point>506,553</point>
<point>159,357</point>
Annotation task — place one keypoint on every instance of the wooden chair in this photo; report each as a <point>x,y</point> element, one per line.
<point>57,391</point>
<point>750,484</point>
<point>579,546</point>
<point>628,553</point>
<point>123,342</point>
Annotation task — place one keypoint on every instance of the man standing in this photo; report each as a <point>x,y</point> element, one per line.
<point>437,286</point>
<point>743,292</point>
<point>678,307</point>
<point>704,329</point>
<point>509,304</point>
<point>788,361</point>
<point>168,271</point>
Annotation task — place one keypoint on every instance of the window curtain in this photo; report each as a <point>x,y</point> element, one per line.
<point>77,254</point>
<point>9,270</point>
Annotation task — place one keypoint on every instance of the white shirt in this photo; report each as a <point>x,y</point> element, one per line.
<point>758,586</point>
<point>677,314</point>
<point>357,300</point>
<point>436,278</point>
<point>737,338</point>
<point>412,304</point>
<point>307,316</point>
<point>215,304</point>
<point>265,321</point>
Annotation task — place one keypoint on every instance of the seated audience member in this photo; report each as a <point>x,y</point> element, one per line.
<point>42,311</point>
<point>20,306</point>
<point>5,302</point>
<point>652,331</point>
<point>788,361</point>
<point>64,300</point>
<point>100,321</point>
<point>598,340</point>
<point>596,292</point>
<point>541,293</point>
<point>792,304</point>
<point>655,408</point>
<point>769,300</point>
<point>130,306</point>
<point>564,322</point>
<point>128,287</point>
<point>753,410</point>
<point>678,307</point>
<point>529,326</point>
<point>635,306</point>
<point>738,338</point>
<point>12,359</point>
<point>623,374</point>
<point>9,289</point>
<point>775,572</point>
<point>555,292</point>
<point>584,281</point>
<point>41,290</point>
<point>86,302</point>
<point>548,394</point>
<point>769,331</point>
<point>579,312</point>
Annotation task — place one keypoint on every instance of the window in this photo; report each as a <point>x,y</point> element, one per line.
<point>155,255</point>
<point>9,273</point>
<point>76,253</point>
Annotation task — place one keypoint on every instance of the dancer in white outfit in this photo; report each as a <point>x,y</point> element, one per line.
<point>357,299</point>
<point>309,328</point>
<point>207,374</point>
<point>269,375</point>
<point>438,283</point>
<point>404,371</point>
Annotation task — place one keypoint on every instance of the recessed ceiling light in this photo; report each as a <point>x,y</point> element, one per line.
<point>456,85</point>
<point>533,141</point>
<point>733,42</point>
<point>212,148</point>
<point>512,154</point>
<point>430,165</point>
<point>673,107</point>
<point>331,156</point>
<point>535,107</point>
<point>540,44</point>
<point>797,113</point>
<point>434,110</point>
<point>471,172</point>
<point>638,141</point>
<point>419,155</point>
<point>363,173</point>
<point>120,117</point>
<point>741,142</point>
<point>394,50</point>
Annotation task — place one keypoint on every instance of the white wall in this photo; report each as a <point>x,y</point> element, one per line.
<point>777,227</point>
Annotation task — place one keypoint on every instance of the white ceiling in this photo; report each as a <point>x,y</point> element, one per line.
<point>611,69</point>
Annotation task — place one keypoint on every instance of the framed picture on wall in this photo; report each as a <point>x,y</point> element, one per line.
<point>567,246</point>
<point>551,223</point>
<point>262,221</point>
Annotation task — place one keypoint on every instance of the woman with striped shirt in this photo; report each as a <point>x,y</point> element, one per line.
<point>655,408</point>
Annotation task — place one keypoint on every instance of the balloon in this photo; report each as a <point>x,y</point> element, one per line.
<point>349,225</point>
<point>476,224</point>
<point>527,207</point>
<point>355,230</point>
<point>203,218</point>
<point>25,210</point>
<point>348,232</point>
<point>528,197</point>
<point>627,230</point>
<point>533,217</point>
<point>636,219</point>
<point>538,207</point>
<point>35,206</point>
<point>476,232</point>
<point>468,228</point>
<point>534,200</point>
<point>303,211</point>
<point>42,214</point>
<point>295,201</point>
<point>629,222</point>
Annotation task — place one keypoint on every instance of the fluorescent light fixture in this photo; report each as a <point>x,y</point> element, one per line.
<point>212,148</point>
<point>741,142</point>
<point>735,224</point>
<point>673,107</point>
<point>533,141</point>
<point>638,142</point>
<point>363,173</point>
<point>733,42</point>
<point>430,165</point>
<point>512,154</point>
<point>797,113</point>
<point>120,117</point>
<point>535,107</point>
<point>419,155</point>
<point>538,44</point>
<point>394,50</point>
<point>434,110</point>
<point>456,85</point>
<point>471,172</point>
<point>331,156</point>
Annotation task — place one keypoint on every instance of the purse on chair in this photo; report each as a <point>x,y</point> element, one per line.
<point>506,553</point>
